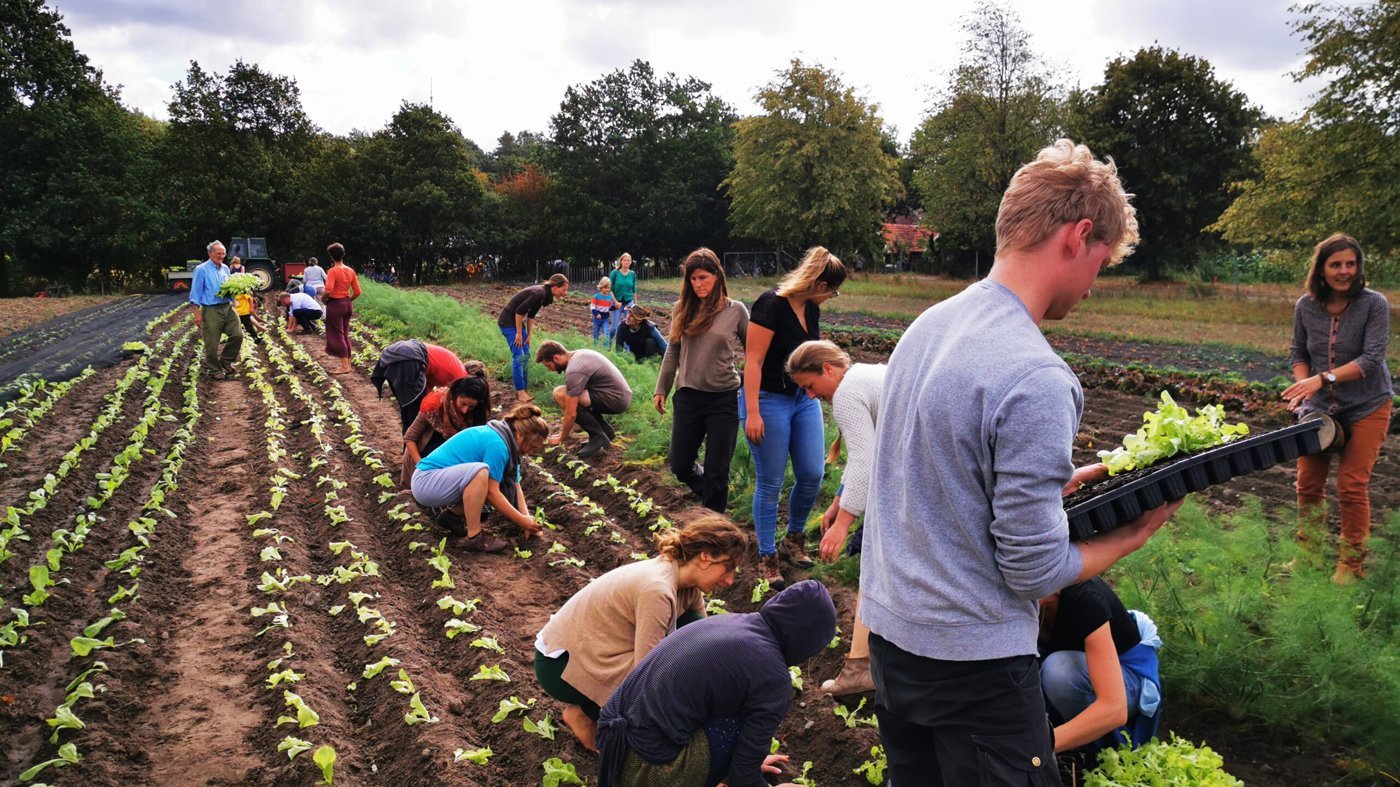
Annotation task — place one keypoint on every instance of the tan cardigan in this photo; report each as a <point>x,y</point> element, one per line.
<point>614,622</point>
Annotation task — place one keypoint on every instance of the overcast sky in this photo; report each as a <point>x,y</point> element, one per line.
<point>495,66</point>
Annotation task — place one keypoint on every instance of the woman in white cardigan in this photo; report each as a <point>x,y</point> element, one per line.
<point>825,372</point>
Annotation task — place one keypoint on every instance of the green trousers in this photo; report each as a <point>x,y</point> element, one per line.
<point>217,322</point>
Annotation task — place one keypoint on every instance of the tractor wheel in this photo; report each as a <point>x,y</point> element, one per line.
<point>265,273</point>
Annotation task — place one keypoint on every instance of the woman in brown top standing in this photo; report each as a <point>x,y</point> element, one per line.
<point>342,287</point>
<point>706,344</point>
<point>591,644</point>
<point>1340,332</point>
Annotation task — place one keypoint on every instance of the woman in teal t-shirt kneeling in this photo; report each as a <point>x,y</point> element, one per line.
<point>480,466</point>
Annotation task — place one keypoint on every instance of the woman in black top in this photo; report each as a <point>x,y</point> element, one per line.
<point>1097,669</point>
<point>517,324</point>
<point>780,420</point>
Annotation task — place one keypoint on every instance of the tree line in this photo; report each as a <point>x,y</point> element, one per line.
<point>99,196</point>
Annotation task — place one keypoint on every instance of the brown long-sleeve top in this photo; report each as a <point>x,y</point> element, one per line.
<point>613,623</point>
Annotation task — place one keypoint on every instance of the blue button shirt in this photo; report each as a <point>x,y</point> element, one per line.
<point>208,278</point>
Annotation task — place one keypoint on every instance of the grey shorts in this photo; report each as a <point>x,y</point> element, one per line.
<point>443,487</point>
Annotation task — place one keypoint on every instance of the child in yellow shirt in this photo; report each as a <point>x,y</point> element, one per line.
<point>243,307</point>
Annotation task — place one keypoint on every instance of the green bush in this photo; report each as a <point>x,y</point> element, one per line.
<point>1286,651</point>
<point>1176,764</point>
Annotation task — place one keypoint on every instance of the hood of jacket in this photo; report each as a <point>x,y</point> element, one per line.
<point>803,620</point>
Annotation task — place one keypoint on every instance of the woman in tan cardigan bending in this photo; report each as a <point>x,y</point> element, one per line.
<point>590,645</point>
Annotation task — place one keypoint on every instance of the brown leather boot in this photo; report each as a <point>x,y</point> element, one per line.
<point>768,569</point>
<point>854,679</point>
<point>793,548</point>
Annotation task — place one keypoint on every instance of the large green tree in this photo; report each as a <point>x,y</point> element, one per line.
<point>1003,105</point>
<point>232,156</point>
<point>1180,136</point>
<point>75,200</point>
<point>1337,168</point>
<point>636,160</point>
<point>813,168</point>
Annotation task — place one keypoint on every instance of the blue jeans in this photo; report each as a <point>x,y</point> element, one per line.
<point>1064,675</point>
<point>519,360</point>
<point>792,427</point>
<point>602,324</point>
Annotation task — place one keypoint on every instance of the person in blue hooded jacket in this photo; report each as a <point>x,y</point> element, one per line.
<point>704,705</point>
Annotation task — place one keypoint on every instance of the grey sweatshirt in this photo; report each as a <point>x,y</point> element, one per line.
<point>977,420</point>
<point>707,362</point>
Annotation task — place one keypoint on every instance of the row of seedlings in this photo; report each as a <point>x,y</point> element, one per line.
<point>126,566</point>
<point>37,399</point>
<point>41,575</point>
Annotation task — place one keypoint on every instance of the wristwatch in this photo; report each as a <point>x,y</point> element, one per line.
<point>1330,378</point>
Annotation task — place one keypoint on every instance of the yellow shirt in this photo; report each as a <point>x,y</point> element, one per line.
<point>243,304</point>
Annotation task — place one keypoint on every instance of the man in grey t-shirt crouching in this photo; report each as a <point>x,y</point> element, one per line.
<point>593,387</point>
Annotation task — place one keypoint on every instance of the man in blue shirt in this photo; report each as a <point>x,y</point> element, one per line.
<point>214,316</point>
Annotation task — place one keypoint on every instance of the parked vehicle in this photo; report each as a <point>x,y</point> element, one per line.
<point>253,252</point>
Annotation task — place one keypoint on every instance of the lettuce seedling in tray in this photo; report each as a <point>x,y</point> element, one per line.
<point>1170,458</point>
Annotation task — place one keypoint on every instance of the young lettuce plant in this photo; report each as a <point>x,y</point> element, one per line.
<point>510,706</point>
<point>558,773</point>
<point>417,713</point>
<point>545,728</point>
<point>478,756</point>
<point>493,672</point>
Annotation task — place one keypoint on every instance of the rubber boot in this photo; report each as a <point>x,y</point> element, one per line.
<point>597,433</point>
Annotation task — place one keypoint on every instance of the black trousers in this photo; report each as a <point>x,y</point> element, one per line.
<point>306,318</point>
<point>712,418</point>
<point>961,722</point>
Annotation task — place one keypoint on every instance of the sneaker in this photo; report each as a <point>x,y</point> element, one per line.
<point>794,549</point>
<point>455,524</point>
<point>768,569</point>
<point>484,542</point>
<point>854,679</point>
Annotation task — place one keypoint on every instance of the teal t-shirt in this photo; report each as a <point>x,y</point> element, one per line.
<point>624,285</point>
<point>477,444</point>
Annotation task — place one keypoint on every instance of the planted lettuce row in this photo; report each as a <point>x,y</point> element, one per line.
<point>42,575</point>
<point>20,417</point>
<point>142,527</point>
<point>13,528</point>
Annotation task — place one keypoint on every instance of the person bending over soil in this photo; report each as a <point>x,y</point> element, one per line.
<point>825,372</point>
<point>302,311</point>
<point>445,412</point>
<point>517,324</point>
<point>1098,664</point>
<point>478,466</point>
<point>606,629</point>
<point>702,707</point>
<point>593,387</point>
<point>639,335</point>
<point>412,368</point>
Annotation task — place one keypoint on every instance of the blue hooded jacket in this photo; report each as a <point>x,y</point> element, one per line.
<point>732,665</point>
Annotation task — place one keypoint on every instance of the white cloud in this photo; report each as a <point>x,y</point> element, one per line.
<point>496,66</point>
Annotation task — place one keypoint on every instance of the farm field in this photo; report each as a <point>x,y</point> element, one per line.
<point>263,567</point>
<point>18,313</point>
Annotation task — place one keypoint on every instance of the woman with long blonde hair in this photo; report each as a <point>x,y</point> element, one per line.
<point>707,333</point>
<point>780,421</point>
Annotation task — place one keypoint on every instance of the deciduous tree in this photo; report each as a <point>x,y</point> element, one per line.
<point>1179,136</point>
<point>1004,105</point>
<point>812,169</point>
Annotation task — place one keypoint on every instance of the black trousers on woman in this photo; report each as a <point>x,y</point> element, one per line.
<point>712,418</point>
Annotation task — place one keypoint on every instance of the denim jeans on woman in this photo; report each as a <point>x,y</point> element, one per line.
<point>519,360</point>
<point>792,428</point>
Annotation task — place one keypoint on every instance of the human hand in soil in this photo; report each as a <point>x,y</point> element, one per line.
<point>1301,391</point>
<point>659,402</point>
<point>753,428</point>
<point>1084,476</point>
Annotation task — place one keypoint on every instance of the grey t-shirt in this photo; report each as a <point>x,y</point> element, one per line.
<point>592,371</point>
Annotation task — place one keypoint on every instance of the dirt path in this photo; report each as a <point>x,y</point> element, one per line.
<point>208,716</point>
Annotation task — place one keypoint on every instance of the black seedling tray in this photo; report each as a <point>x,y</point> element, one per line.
<point>1192,474</point>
